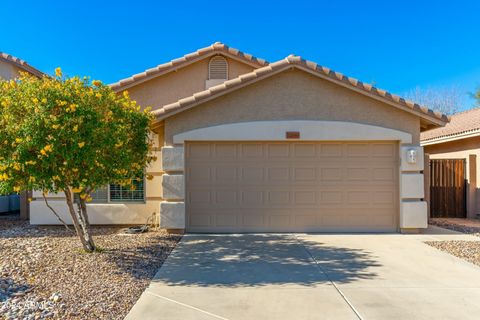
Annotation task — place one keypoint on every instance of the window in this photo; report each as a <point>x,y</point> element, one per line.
<point>127,194</point>
<point>218,68</point>
<point>100,195</point>
<point>117,193</point>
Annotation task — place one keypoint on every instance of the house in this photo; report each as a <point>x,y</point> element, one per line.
<point>10,68</point>
<point>454,151</point>
<point>245,145</point>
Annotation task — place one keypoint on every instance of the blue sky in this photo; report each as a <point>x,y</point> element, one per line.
<point>398,46</point>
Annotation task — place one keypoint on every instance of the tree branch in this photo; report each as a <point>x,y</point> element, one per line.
<point>55,213</point>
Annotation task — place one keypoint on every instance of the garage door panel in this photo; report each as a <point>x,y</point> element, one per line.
<point>304,221</point>
<point>279,174</point>
<point>278,197</point>
<point>225,151</point>
<point>291,186</point>
<point>200,174</point>
<point>383,174</point>
<point>383,150</point>
<point>226,220</point>
<point>254,220</point>
<point>199,151</point>
<point>251,174</point>
<point>226,198</point>
<point>306,173</point>
<point>331,197</point>
<point>278,150</point>
<point>279,220</point>
<point>251,199</point>
<point>200,220</point>
<point>253,151</point>
<point>385,197</point>
<point>358,174</point>
<point>329,150</point>
<point>197,197</point>
<point>305,150</point>
<point>225,173</point>
<point>333,173</point>
<point>358,150</point>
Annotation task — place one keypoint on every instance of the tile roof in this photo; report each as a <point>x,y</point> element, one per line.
<point>22,64</point>
<point>187,59</point>
<point>460,124</point>
<point>312,67</point>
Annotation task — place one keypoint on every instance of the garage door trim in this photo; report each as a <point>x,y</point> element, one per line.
<point>310,130</point>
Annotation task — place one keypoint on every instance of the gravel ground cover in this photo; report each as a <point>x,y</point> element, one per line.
<point>467,250</point>
<point>44,274</point>
<point>469,226</point>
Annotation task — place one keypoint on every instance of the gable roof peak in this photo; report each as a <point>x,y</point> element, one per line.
<point>432,117</point>
<point>292,58</point>
<point>215,48</point>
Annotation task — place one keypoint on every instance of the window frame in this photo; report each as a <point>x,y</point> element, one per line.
<point>143,200</point>
<point>123,201</point>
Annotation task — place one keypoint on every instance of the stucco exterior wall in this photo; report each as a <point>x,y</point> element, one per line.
<point>8,71</point>
<point>292,95</point>
<point>127,213</point>
<point>462,149</point>
<point>181,83</point>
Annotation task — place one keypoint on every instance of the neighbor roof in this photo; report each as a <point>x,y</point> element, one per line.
<point>22,64</point>
<point>216,48</point>
<point>432,117</point>
<point>462,125</point>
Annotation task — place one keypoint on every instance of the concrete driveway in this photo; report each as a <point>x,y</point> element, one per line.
<point>292,276</point>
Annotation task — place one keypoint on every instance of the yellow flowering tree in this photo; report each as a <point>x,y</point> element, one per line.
<point>70,135</point>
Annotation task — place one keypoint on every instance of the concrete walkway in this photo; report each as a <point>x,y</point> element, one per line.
<point>389,276</point>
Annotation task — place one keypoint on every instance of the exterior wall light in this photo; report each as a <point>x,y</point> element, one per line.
<point>412,156</point>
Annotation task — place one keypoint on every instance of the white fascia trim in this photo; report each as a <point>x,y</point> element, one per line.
<point>465,135</point>
<point>310,130</point>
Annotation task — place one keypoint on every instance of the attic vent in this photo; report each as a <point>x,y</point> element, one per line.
<point>218,68</point>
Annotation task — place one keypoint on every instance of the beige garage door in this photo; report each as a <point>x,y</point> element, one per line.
<point>291,186</point>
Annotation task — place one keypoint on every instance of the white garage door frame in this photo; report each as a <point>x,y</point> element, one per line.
<point>412,211</point>
<point>309,130</point>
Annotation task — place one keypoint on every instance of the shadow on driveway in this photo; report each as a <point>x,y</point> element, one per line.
<point>260,260</point>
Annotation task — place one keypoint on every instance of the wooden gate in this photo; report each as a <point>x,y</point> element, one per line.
<point>448,188</point>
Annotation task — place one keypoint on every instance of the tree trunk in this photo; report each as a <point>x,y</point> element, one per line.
<point>80,221</point>
<point>82,206</point>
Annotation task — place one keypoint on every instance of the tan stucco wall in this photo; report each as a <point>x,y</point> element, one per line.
<point>461,149</point>
<point>8,71</point>
<point>180,84</point>
<point>112,212</point>
<point>292,95</point>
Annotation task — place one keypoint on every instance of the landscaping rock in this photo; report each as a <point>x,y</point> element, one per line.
<point>44,274</point>
<point>467,250</point>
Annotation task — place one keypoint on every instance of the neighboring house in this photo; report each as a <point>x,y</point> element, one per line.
<point>454,151</point>
<point>250,146</point>
<point>10,68</point>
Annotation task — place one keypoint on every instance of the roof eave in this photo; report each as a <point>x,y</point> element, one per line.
<point>427,118</point>
<point>27,68</point>
<point>450,138</point>
<point>430,119</point>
